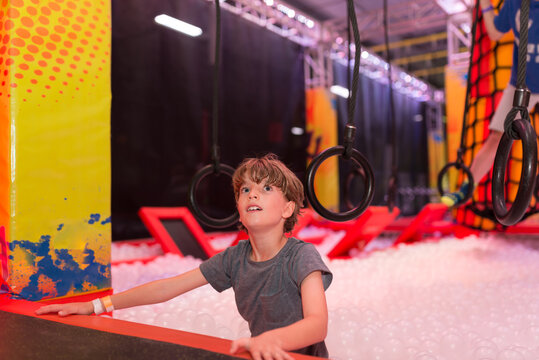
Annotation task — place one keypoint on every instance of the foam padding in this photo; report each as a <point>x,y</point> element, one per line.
<point>321,126</point>
<point>26,336</point>
<point>55,146</point>
<point>52,340</point>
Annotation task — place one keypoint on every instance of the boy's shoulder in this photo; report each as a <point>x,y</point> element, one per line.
<point>297,242</point>
<point>241,246</point>
<point>295,245</point>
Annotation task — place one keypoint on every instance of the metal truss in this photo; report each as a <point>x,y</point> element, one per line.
<point>323,42</point>
<point>459,40</point>
<point>318,68</point>
<point>278,17</point>
<point>405,17</point>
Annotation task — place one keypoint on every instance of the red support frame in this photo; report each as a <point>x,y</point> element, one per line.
<point>362,230</point>
<point>430,220</point>
<point>152,217</point>
<point>3,261</point>
<point>525,227</point>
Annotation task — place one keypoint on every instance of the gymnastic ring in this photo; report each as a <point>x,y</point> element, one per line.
<point>359,160</point>
<point>193,206</point>
<point>526,185</point>
<point>458,166</point>
<point>346,193</point>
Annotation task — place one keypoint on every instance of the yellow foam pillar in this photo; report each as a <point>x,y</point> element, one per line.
<point>455,95</point>
<point>55,146</point>
<point>321,124</point>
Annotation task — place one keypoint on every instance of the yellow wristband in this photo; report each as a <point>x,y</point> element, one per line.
<point>107,302</point>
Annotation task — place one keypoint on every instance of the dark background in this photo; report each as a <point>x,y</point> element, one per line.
<point>380,134</point>
<point>161,124</point>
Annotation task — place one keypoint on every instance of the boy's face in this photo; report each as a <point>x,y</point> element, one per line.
<point>262,206</point>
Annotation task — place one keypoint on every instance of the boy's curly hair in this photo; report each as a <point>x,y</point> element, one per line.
<point>270,169</point>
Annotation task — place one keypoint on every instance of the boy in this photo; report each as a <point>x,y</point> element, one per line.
<point>278,282</point>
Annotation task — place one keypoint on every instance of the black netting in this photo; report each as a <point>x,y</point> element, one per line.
<point>488,76</point>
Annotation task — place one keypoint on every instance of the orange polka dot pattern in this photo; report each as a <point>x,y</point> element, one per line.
<point>53,49</point>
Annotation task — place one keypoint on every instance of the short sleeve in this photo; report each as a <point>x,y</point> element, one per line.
<point>217,269</point>
<point>502,22</point>
<point>306,260</point>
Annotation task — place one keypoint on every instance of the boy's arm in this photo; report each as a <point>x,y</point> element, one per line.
<point>310,330</point>
<point>150,293</point>
<point>160,290</point>
<point>488,18</point>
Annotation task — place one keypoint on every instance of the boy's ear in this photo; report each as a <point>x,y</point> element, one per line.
<point>289,209</point>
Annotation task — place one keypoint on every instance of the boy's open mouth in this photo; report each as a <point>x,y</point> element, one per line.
<point>254,208</point>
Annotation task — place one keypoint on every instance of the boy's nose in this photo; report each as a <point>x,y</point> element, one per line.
<point>253,195</point>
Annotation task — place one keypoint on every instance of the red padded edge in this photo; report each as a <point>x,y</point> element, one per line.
<point>151,217</point>
<point>3,260</point>
<point>427,215</point>
<point>129,328</point>
<point>362,230</point>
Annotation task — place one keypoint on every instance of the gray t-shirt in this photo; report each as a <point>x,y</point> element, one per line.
<point>268,293</point>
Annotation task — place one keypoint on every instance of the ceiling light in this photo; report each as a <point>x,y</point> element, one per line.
<point>454,6</point>
<point>340,91</point>
<point>178,25</point>
<point>297,130</point>
<point>466,28</point>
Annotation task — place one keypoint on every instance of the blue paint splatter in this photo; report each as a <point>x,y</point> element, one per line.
<point>64,271</point>
<point>60,227</point>
<point>37,249</point>
<point>106,221</point>
<point>94,218</point>
<point>65,198</point>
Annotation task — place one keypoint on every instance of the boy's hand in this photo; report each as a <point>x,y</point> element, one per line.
<point>78,308</point>
<point>262,347</point>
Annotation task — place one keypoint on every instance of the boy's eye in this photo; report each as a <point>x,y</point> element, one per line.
<point>244,190</point>
<point>267,188</point>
